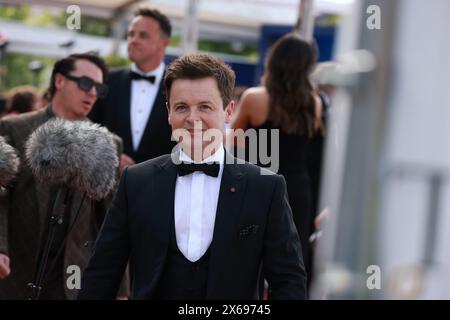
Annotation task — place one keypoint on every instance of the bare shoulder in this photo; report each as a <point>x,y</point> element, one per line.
<point>255,95</point>
<point>255,101</point>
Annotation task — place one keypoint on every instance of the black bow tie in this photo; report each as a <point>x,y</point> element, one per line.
<point>138,76</point>
<point>210,169</point>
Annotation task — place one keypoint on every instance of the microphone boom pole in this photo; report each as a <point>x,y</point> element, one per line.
<point>73,156</point>
<point>58,211</point>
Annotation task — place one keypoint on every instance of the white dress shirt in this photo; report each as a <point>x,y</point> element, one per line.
<point>196,197</point>
<point>143,95</point>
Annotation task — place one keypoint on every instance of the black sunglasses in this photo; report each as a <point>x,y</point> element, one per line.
<point>86,84</point>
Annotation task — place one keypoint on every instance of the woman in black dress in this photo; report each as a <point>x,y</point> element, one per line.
<point>288,102</point>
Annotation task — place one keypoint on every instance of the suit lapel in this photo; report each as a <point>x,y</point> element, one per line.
<point>164,195</point>
<point>125,108</point>
<point>232,190</point>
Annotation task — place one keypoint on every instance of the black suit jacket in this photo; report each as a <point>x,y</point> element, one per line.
<point>253,226</point>
<point>113,111</point>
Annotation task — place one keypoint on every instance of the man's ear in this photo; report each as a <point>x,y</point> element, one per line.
<point>166,42</point>
<point>59,80</point>
<point>229,111</point>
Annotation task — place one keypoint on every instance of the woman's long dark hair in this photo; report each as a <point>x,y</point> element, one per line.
<point>286,78</point>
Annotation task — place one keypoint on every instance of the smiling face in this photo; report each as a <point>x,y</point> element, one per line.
<point>73,102</point>
<point>196,107</point>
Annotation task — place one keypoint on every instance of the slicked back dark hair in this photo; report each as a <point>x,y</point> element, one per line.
<point>67,65</point>
<point>164,22</point>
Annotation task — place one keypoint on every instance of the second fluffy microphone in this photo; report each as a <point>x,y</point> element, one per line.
<point>9,163</point>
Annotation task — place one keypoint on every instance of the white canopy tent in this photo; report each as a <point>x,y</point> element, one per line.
<point>232,20</point>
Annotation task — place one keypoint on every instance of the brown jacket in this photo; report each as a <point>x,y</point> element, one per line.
<point>24,216</point>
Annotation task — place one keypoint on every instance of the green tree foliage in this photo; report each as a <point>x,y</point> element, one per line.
<point>15,12</point>
<point>114,61</point>
<point>54,17</point>
<point>18,72</point>
<point>248,50</point>
<point>45,18</point>
<point>89,25</point>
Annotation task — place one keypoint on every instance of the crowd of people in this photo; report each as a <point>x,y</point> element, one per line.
<point>187,219</point>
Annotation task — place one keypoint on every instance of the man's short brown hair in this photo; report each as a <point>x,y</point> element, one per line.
<point>163,20</point>
<point>198,66</point>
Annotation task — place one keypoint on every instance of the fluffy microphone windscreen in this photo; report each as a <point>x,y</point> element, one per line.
<point>79,154</point>
<point>9,162</point>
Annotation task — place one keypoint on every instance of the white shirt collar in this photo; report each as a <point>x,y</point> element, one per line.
<point>218,156</point>
<point>158,72</point>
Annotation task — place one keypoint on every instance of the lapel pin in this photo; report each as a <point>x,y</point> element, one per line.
<point>232,189</point>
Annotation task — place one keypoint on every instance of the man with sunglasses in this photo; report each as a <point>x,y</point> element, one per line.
<point>76,83</point>
<point>134,108</point>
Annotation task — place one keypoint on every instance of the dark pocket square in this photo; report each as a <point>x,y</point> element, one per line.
<point>247,230</point>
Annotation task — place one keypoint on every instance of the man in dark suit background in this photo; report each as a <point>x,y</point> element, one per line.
<point>75,85</point>
<point>134,108</point>
<point>196,224</point>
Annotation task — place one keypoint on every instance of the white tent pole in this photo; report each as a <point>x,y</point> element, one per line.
<point>190,32</point>
<point>305,22</point>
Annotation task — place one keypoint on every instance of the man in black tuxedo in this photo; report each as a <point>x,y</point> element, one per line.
<point>134,108</point>
<point>196,224</point>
